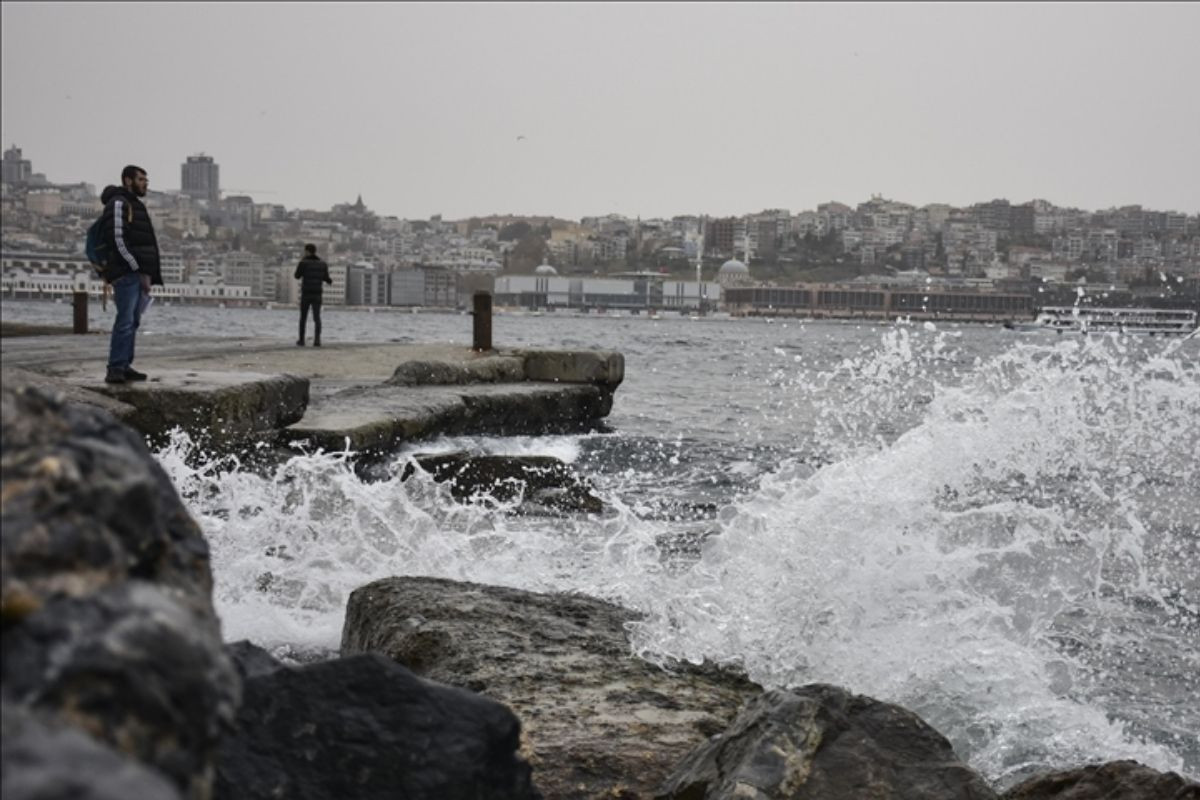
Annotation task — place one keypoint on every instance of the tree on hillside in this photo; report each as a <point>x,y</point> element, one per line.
<point>528,253</point>
<point>515,231</point>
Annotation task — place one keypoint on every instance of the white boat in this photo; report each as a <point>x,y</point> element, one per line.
<point>1094,319</point>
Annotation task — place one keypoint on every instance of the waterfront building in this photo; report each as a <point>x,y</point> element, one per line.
<point>240,268</point>
<point>367,286</point>
<point>690,295</point>
<point>631,291</point>
<point>426,285</point>
<point>540,290</point>
<point>844,301</point>
<point>26,283</point>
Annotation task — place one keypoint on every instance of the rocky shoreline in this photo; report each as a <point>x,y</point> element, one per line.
<point>116,682</point>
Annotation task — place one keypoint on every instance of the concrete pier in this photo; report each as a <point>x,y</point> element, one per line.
<point>371,397</point>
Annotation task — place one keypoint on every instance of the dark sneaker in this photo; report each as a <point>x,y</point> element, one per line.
<point>316,344</point>
<point>132,374</point>
<point>299,343</point>
<point>115,376</point>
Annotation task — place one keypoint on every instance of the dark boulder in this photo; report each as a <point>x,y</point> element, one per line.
<point>132,666</point>
<point>108,622</point>
<point>41,760</point>
<point>85,505</point>
<point>365,727</point>
<point>542,483</point>
<point>820,742</point>
<point>598,722</point>
<point>1116,780</point>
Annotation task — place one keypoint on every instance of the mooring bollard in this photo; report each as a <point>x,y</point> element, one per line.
<point>79,304</point>
<point>483,322</point>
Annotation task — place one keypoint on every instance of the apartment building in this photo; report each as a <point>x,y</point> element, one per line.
<point>427,286</point>
<point>367,285</point>
<point>240,268</point>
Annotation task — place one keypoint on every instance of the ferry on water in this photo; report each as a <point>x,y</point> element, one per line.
<point>1093,319</point>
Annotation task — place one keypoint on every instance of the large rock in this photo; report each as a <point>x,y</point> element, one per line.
<point>105,591</point>
<point>364,728</point>
<point>541,483</point>
<point>1116,780</point>
<point>86,506</point>
<point>41,760</point>
<point>820,742</point>
<point>598,722</point>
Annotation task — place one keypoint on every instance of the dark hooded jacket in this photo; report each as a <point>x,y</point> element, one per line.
<point>312,272</point>
<point>130,237</point>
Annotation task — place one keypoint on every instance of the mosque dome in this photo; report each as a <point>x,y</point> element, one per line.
<point>732,272</point>
<point>545,269</point>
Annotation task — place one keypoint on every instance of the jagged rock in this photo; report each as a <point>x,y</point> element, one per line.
<point>365,727</point>
<point>86,506</point>
<point>597,721</point>
<point>106,590</point>
<point>133,666</point>
<point>820,742</point>
<point>542,482</point>
<point>1116,780</point>
<point>41,760</point>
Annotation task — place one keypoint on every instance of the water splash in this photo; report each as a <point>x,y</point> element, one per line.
<point>289,547</point>
<point>991,567</point>
<point>1003,543</point>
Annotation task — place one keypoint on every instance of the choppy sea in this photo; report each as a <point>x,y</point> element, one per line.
<point>999,531</point>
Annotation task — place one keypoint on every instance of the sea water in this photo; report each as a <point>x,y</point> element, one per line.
<point>999,531</point>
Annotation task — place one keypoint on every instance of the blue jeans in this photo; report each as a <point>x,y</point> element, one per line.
<point>127,297</point>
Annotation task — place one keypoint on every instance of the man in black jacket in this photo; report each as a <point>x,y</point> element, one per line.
<point>132,268</point>
<point>312,273</point>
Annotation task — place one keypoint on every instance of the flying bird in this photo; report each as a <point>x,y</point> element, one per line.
<point>519,138</point>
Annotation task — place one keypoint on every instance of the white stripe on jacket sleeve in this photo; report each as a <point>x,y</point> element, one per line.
<point>118,216</point>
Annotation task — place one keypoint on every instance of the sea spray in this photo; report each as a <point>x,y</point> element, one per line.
<point>1001,541</point>
<point>289,547</point>
<point>987,566</point>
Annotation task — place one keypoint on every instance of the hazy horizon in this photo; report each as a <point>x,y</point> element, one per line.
<point>642,109</point>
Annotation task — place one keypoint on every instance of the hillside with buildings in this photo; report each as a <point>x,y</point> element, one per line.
<point>230,248</point>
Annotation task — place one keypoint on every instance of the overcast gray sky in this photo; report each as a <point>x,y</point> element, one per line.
<point>650,109</point>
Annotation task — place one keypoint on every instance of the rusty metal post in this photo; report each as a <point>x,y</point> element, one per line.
<point>482,322</point>
<point>80,305</point>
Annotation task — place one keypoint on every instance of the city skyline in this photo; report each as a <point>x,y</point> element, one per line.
<point>206,187</point>
<point>646,110</point>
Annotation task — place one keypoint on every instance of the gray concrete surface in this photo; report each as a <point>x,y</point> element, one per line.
<point>370,396</point>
